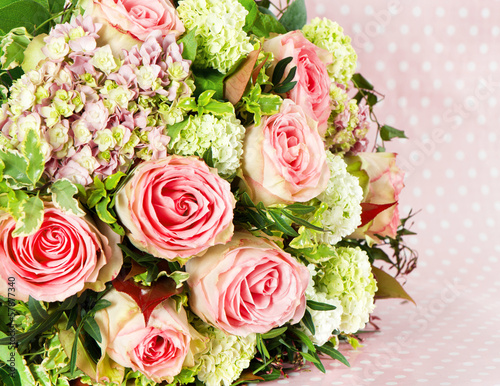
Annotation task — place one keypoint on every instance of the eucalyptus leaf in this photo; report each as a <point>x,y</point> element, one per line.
<point>295,16</point>
<point>282,225</point>
<point>274,333</point>
<point>92,328</point>
<point>308,322</point>
<point>37,311</point>
<point>330,350</point>
<point>318,306</point>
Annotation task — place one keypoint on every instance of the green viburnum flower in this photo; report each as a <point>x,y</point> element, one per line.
<point>226,355</point>
<point>347,276</point>
<point>219,31</point>
<point>343,195</point>
<point>330,36</point>
<point>224,136</point>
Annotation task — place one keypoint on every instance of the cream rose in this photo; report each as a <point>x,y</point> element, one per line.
<point>247,286</point>
<point>386,183</point>
<point>158,349</point>
<point>176,207</point>
<point>312,91</point>
<point>129,22</point>
<point>66,255</point>
<point>284,159</point>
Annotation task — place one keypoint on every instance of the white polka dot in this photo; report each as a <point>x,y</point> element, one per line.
<point>472,173</point>
<point>428,30</point>
<point>416,48</point>
<point>392,47</point>
<point>482,155</point>
<point>344,10</point>
<point>493,66</point>
<point>485,190</point>
<point>460,155</point>
<point>450,30</point>
<point>440,12</point>
<point>461,48</point>
<point>445,224</point>
<point>437,155</point>
<point>380,65</point>
<point>473,30</point>
<point>425,102</point>
<point>369,10</point>
<point>403,66</point>
<point>427,174</point>
<point>438,48</point>
<point>476,207</point>
<point>495,31</point>
<point>485,13</point>
<point>483,48</point>
<point>462,190</point>
<point>492,137</point>
<point>320,9</point>
<point>450,173</point>
<point>404,29</point>
<point>426,66</point>
<point>463,12</point>
<point>471,66</point>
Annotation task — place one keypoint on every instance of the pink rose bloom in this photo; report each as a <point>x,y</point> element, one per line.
<point>284,158</point>
<point>386,183</point>
<point>312,91</point>
<point>66,255</point>
<point>176,207</point>
<point>157,349</point>
<point>247,286</point>
<point>128,22</point>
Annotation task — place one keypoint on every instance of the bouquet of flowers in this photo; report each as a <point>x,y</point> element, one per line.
<point>186,193</point>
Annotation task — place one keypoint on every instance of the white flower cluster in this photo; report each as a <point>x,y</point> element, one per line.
<point>343,195</point>
<point>330,36</point>
<point>219,31</point>
<point>347,277</point>
<point>226,356</point>
<point>325,322</point>
<point>224,135</point>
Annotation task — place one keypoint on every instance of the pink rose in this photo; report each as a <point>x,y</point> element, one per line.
<point>312,91</point>
<point>157,349</point>
<point>284,159</point>
<point>129,22</point>
<point>176,207</point>
<point>386,182</point>
<point>66,255</point>
<point>247,286</point>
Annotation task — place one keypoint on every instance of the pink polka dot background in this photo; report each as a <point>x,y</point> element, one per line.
<point>438,64</point>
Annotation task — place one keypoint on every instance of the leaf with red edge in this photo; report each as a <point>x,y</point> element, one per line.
<point>135,270</point>
<point>235,85</point>
<point>370,211</point>
<point>388,287</point>
<point>247,376</point>
<point>256,70</point>
<point>147,298</point>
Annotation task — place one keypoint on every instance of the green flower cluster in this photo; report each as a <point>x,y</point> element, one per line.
<point>329,35</point>
<point>223,135</point>
<point>343,195</point>
<point>347,276</point>
<point>219,31</point>
<point>226,355</point>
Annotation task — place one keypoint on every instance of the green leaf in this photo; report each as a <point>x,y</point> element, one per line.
<point>28,336</point>
<point>279,70</point>
<point>219,108</point>
<point>12,47</point>
<point>333,353</point>
<point>261,347</point>
<point>23,13</point>
<point>300,209</point>
<point>176,128</point>
<point>190,45</point>
<point>56,6</point>
<point>295,16</point>
<point>274,333</point>
<point>388,287</point>
<point>31,148</point>
<point>388,132</point>
<point>361,83</point>
<point>302,222</point>
<point>92,328</point>
<point>31,218</point>
<point>285,88</point>
<point>100,305</point>
<point>252,9</point>
<point>208,158</point>
<point>282,225</point>
<point>112,181</point>
<point>208,79</point>
<point>23,375</point>
<point>314,360</point>
<point>371,99</point>
<point>318,306</point>
<point>304,339</point>
<point>97,195</point>
<point>269,104</point>
<point>308,322</point>
<point>37,311</point>
<point>246,200</point>
<point>102,211</point>
<point>265,24</point>
<point>15,167</point>
<point>62,196</point>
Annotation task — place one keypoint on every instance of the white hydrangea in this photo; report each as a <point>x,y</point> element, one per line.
<point>347,276</point>
<point>104,60</point>
<point>343,195</point>
<point>330,36</point>
<point>226,356</point>
<point>325,322</point>
<point>225,136</point>
<point>219,31</point>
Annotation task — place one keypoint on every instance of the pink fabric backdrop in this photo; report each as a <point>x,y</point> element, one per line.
<point>438,63</point>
